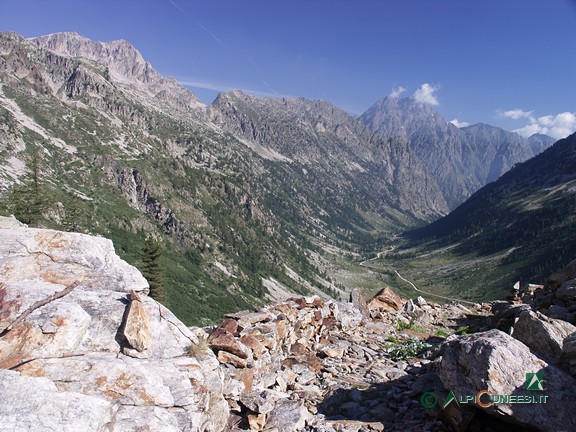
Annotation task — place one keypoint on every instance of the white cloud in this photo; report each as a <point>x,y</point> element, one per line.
<point>529,130</point>
<point>458,123</point>
<point>396,92</point>
<point>557,126</point>
<point>517,114</point>
<point>425,94</point>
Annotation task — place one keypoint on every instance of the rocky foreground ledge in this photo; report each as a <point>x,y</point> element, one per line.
<point>83,348</point>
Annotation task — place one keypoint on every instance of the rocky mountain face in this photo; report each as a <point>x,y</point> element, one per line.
<point>248,197</point>
<point>124,65</point>
<point>317,134</point>
<point>459,160</point>
<point>82,347</point>
<point>243,195</point>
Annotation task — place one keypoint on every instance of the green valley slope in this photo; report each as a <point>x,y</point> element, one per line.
<point>520,227</point>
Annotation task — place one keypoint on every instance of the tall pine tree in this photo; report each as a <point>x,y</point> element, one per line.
<point>152,268</point>
<point>28,200</point>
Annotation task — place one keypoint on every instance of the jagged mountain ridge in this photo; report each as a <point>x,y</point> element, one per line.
<point>239,217</point>
<point>316,133</point>
<point>126,66</point>
<point>460,160</point>
<point>245,195</point>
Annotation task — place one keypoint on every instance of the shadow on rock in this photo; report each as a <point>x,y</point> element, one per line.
<point>119,337</point>
<point>391,406</point>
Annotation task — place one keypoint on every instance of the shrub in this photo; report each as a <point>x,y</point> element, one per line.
<point>199,348</point>
<point>409,348</point>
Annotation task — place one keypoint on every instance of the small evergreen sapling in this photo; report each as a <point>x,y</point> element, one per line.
<point>152,268</point>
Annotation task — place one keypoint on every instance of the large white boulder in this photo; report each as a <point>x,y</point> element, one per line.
<point>71,365</point>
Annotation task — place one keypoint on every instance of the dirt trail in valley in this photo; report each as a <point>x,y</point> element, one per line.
<point>383,254</point>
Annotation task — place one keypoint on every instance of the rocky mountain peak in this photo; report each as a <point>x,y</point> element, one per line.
<point>461,160</point>
<point>124,64</point>
<point>118,55</point>
<point>401,117</point>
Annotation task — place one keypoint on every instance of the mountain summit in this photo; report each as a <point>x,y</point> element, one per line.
<point>460,160</point>
<point>122,63</point>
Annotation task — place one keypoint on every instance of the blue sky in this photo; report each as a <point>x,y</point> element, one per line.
<point>510,63</point>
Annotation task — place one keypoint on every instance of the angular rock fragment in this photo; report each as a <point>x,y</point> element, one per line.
<point>543,335</point>
<point>137,326</point>
<point>221,339</point>
<point>386,300</point>
<point>357,299</point>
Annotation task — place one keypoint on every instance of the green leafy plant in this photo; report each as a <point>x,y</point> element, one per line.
<point>410,326</point>
<point>464,330</point>
<point>442,333</point>
<point>409,348</point>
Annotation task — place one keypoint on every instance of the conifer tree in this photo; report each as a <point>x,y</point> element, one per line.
<point>152,268</point>
<point>74,217</point>
<point>28,200</point>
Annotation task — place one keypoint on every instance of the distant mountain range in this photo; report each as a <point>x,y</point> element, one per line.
<point>247,195</point>
<point>460,160</point>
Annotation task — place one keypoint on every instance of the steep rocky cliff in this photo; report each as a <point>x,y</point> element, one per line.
<point>124,65</point>
<point>238,194</point>
<point>251,199</point>
<point>317,135</point>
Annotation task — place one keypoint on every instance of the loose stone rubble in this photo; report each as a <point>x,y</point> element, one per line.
<point>106,357</point>
<point>321,365</point>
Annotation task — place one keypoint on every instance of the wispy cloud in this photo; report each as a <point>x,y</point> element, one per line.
<point>425,94</point>
<point>272,91</point>
<point>458,123</point>
<point>198,23</point>
<point>396,92</point>
<point>260,76</point>
<point>222,87</point>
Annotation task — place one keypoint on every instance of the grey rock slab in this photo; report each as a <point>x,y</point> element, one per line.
<point>59,258</point>
<point>287,416</point>
<point>35,404</point>
<point>149,418</point>
<point>567,292</point>
<point>497,362</point>
<point>358,301</point>
<point>56,329</point>
<point>543,335</point>
<point>126,380</point>
<point>348,316</point>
